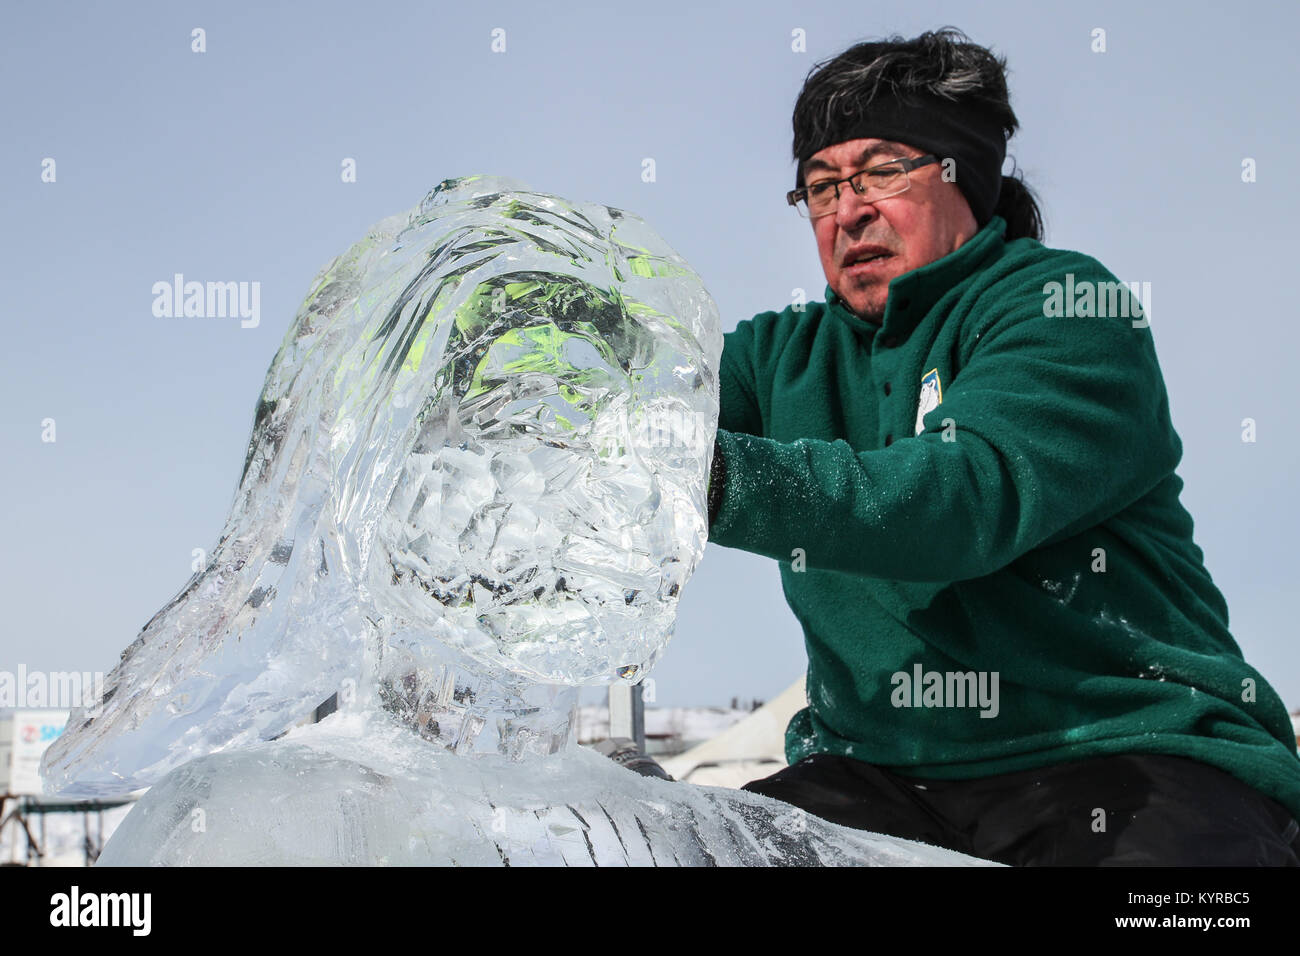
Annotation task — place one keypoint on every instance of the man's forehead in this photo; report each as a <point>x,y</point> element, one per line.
<point>854,152</point>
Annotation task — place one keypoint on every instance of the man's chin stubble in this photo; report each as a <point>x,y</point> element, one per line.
<point>872,315</point>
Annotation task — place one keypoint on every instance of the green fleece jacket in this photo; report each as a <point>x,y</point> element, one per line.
<point>1015,584</point>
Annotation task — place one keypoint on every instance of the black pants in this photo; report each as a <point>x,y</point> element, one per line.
<point>1134,809</point>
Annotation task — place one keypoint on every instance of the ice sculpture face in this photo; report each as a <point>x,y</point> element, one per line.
<point>550,507</point>
<point>487,430</point>
<point>549,512</point>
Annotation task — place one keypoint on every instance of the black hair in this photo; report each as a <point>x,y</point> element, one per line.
<point>943,63</point>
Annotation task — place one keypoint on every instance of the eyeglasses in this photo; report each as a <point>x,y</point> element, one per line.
<point>875,182</point>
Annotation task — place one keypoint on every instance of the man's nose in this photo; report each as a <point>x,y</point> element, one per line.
<point>852,210</point>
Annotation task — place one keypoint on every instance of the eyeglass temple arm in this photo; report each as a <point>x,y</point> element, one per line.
<point>926,160</point>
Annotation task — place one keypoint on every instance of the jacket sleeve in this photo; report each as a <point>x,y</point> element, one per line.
<point>738,375</point>
<point>1050,426</point>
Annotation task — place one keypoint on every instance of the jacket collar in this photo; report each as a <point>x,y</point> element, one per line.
<point>913,294</point>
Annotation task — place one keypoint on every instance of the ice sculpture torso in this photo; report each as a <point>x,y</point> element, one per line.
<point>364,790</point>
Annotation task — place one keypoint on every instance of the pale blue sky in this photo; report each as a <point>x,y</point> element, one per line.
<point>225,166</point>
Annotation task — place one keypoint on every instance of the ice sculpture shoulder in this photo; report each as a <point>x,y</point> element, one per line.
<point>476,473</point>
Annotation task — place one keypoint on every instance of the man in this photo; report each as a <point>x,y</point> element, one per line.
<point>1014,647</point>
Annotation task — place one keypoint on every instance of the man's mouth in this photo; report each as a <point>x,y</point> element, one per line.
<point>866,263</point>
<point>863,257</point>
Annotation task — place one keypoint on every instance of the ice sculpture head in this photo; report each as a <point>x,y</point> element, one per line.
<point>538,391</point>
<point>488,431</point>
<point>550,507</point>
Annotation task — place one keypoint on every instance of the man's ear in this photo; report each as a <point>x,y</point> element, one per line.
<point>972,225</point>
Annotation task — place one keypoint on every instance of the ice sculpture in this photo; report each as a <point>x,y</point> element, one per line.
<point>479,449</point>
<point>475,483</point>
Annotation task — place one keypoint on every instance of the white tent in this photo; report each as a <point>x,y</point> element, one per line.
<point>751,748</point>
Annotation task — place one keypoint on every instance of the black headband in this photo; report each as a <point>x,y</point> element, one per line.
<point>961,132</point>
